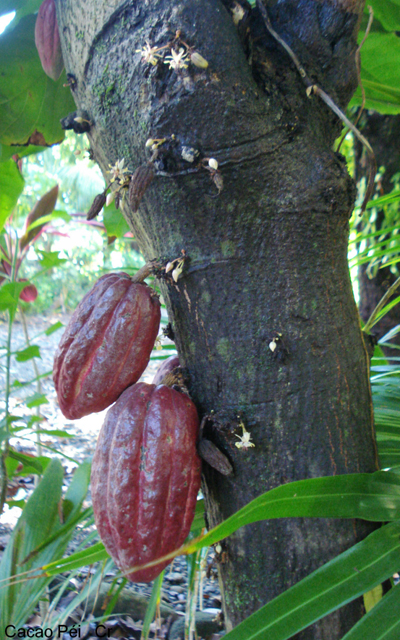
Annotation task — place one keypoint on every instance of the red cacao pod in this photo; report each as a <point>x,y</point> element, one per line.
<point>106,345</point>
<point>167,366</point>
<point>47,40</point>
<point>146,476</point>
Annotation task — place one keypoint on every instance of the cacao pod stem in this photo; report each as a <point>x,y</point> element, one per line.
<point>146,271</point>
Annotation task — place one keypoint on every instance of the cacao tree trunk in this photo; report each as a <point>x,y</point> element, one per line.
<point>266,255</point>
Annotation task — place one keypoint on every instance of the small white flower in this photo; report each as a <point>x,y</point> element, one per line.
<point>177,60</point>
<point>245,439</point>
<point>213,164</point>
<point>117,171</point>
<point>149,54</point>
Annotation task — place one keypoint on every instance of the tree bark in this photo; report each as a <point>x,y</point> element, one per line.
<point>383,133</point>
<point>267,257</point>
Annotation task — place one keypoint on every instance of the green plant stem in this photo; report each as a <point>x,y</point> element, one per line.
<point>38,383</point>
<point>6,448</point>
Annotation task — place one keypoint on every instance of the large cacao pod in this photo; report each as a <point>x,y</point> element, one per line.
<point>47,40</point>
<point>106,345</point>
<point>146,476</point>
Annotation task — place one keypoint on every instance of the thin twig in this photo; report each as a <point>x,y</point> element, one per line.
<point>313,88</point>
<point>358,67</point>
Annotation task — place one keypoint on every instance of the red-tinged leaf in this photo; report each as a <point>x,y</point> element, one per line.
<point>42,208</point>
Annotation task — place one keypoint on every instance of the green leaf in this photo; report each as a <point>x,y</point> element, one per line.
<point>36,400</point>
<point>11,187</point>
<point>387,12</point>
<point>198,521</point>
<point>9,296</point>
<point>50,259</point>
<point>7,151</point>
<point>374,496</point>
<point>33,351</point>
<point>155,598</point>
<point>56,433</point>
<point>16,503</point>
<point>27,461</point>
<point>77,490</point>
<point>380,73</point>
<point>31,104</point>
<point>53,328</point>
<point>96,553</point>
<point>37,521</point>
<point>112,597</point>
<point>348,576</point>
<point>56,215</point>
<point>25,6</point>
<point>39,526</point>
<point>114,221</point>
<point>382,622</point>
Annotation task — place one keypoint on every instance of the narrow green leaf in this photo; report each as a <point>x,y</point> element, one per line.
<point>69,526</point>
<point>57,433</point>
<point>18,383</point>
<point>198,521</point>
<point>33,351</point>
<point>27,461</point>
<point>381,202</point>
<point>151,607</point>
<point>77,490</point>
<point>348,576</point>
<point>113,595</point>
<point>374,496</point>
<point>387,308</point>
<point>88,559</point>
<point>37,521</point>
<point>53,328</point>
<point>76,557</point>
<point>382,622</point>
<point>11,187</point>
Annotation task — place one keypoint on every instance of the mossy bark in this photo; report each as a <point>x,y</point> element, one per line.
<point>267,256</point>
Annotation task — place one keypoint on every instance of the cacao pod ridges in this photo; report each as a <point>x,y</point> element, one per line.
<point>47,40</point>
<point>145,477</point>
<point>106,345</point>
